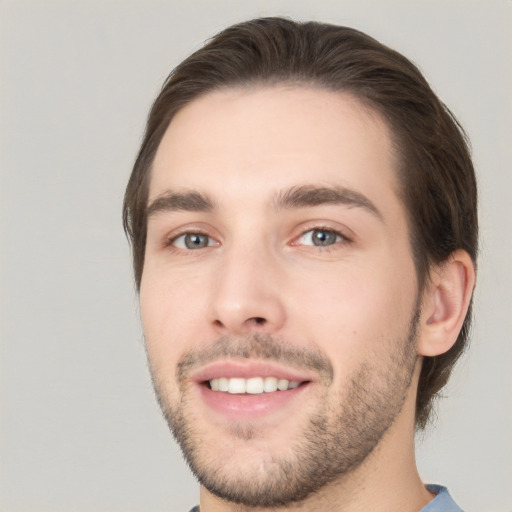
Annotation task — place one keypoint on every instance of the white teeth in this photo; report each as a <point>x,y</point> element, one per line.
<point>236,386</point>
<point>270,384</point>
<point>253,385</point>
<point>223,384</point>
<point>282,384</point>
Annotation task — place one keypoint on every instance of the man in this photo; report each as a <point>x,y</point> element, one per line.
<point>302,214</point>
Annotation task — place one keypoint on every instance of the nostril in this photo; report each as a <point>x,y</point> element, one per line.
<point>258,320</point>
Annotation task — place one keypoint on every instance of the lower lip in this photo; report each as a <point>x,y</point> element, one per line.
<point>247,406</point>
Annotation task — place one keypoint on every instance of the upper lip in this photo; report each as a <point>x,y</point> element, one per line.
<point>246,369</point>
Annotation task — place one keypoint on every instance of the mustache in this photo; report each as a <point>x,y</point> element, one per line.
<point>256,346</point>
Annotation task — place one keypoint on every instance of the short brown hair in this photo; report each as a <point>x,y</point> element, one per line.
<point>438,185</point>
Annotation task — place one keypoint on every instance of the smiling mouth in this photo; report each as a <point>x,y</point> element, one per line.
<point>252,386</point>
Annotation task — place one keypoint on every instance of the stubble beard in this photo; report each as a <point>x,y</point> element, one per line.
<point>337,437</point>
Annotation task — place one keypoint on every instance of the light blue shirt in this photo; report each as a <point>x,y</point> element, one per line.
<point>443,502</point>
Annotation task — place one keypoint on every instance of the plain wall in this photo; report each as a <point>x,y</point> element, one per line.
<point>80,429</point>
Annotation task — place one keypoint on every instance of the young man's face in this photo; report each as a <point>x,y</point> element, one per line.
<point>278,255</point>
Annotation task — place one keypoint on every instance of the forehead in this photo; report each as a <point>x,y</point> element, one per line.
<point>269,138</point>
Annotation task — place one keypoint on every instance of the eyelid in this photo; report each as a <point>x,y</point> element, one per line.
<point>346,235</point>
<point>338,237</point>
<point>211,241</point>
<point>170,239</point>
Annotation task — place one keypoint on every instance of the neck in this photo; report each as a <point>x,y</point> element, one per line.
<point>387,480</point>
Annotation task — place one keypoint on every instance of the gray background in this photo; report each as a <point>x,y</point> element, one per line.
<point>80,430</point>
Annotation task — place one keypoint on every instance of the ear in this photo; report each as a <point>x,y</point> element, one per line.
<point>446,300</point>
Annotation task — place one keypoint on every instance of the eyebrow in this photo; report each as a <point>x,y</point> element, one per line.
<point>310,195</point>
<point>180,201</point>
<point>303,196</point>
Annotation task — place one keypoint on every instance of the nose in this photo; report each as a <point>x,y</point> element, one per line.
<point>247,295</point>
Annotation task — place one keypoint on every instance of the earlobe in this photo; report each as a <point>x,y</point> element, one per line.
<point>446,300</point>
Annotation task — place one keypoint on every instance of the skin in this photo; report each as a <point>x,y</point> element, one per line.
<point>260,273</point>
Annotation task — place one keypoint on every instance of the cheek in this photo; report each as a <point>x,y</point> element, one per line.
<point>171,307</point>
<point>153,303</point>
<point>159,316</point>
<point>354,312</point>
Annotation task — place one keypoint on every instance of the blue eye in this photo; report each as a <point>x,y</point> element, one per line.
<point>320,237</point>
<point>192,241</point>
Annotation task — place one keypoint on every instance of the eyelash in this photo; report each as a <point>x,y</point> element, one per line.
<point>340,238</point>
<point>171,243</point>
